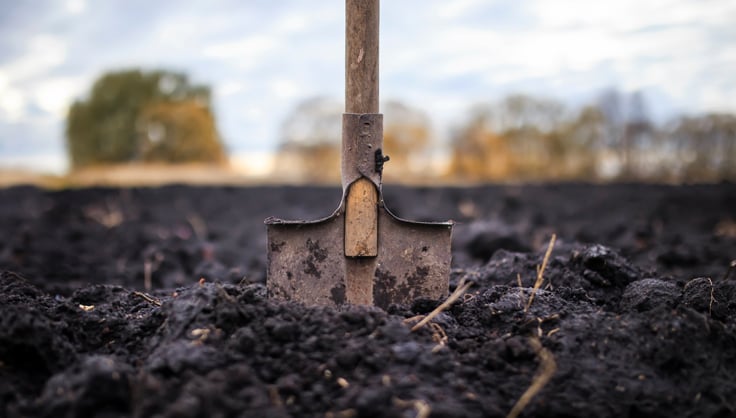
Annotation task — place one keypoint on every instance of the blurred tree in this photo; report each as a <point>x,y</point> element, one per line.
<point>726,145</point>
<point>178,132</point>
<point>479,153</point>
<point>638,151</point>
<point>520,111</point>
<point>529,123</point>
<point>406,139</point>
<point>610,102</point>
<point>132,115</point>
<point>578,145</point>
<point>526,138</point>
<point>705,147</point>
<point>630,135</point>
<point>311,137</point>
<point>516,138</point>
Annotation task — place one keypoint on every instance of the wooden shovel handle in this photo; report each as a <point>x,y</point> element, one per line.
<point>361,96</point>
<point>361,56</point>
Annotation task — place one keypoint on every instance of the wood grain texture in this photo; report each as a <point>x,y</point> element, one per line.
<point>361,220</point>
<point>359,274</point>
<point>361,56</point>
<point>361,96</point>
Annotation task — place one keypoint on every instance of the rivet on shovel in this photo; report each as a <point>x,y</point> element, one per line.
<point>362,253</point>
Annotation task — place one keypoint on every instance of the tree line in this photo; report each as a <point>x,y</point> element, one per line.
<point>525,138</point>
<point>160,116</point>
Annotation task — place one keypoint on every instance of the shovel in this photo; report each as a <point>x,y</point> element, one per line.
<point>362,253</point>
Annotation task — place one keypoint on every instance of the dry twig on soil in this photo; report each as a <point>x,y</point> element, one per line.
<point>712,297</point>
<point>147,298</point>
<point>199,227</point>
<point>439,336</point>
<point>108,216</point>
<point>421,407</point>
<point>462,287</point>
<point>345,413</point>
<point>275,396</point>
<point>712,293</point>
<point>547,368</point>
<point>540,272</point>
<point>521,289</point>
<point>150,264</point>
<point>222,292</point>
<point>731,268</point>
<point>147,270</point>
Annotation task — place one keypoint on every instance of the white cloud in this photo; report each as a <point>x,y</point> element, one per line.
<point>54,95</point>
<point>618,16</point>
<point>12,104</point>
<point>12,101</point>
<point>25,80</point>
<point>711,97</point>
<point>457,8</point>
<point>286,89</point>
<point>254,113</point>
<point>186,30</point>
<point>251,45</point>
<point>666,44</point>
<point>441,55</point>
<point>228,88</point>
<point>245,53</point>
<point>76,7</point>
<point>43,54</point>
<point>292,23</point>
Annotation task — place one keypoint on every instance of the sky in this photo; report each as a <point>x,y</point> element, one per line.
<point>263,57</point>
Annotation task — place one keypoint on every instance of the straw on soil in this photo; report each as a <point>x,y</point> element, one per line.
<point>148,298</point>
<point>731,268</point>
<point>540,272</point>
<point>712,296</point>
<point>462,287</point>
<point>547,368</point>
<point>422,408</point>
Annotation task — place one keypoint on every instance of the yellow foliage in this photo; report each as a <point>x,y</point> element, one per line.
<point>308,163</point>
<point>178,132</point>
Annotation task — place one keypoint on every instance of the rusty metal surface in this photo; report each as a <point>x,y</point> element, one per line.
<point>307,264</point>
<point>413,260</point>
<point>362,136</point>
<point>306,259</point>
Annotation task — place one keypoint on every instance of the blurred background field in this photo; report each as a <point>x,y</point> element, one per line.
<point>141,93</point>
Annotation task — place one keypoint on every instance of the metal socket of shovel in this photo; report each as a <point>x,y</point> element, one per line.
<point>362,253</point>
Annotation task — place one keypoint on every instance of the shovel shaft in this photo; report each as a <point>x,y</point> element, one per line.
<point>361,99</point>
<point>361,56</point>
<point>362,253</point>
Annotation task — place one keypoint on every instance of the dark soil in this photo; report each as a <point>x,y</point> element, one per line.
<point>637,307</point>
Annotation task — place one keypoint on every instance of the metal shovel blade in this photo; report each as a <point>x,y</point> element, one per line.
<point>361,254</point>
<point>306,261</point>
